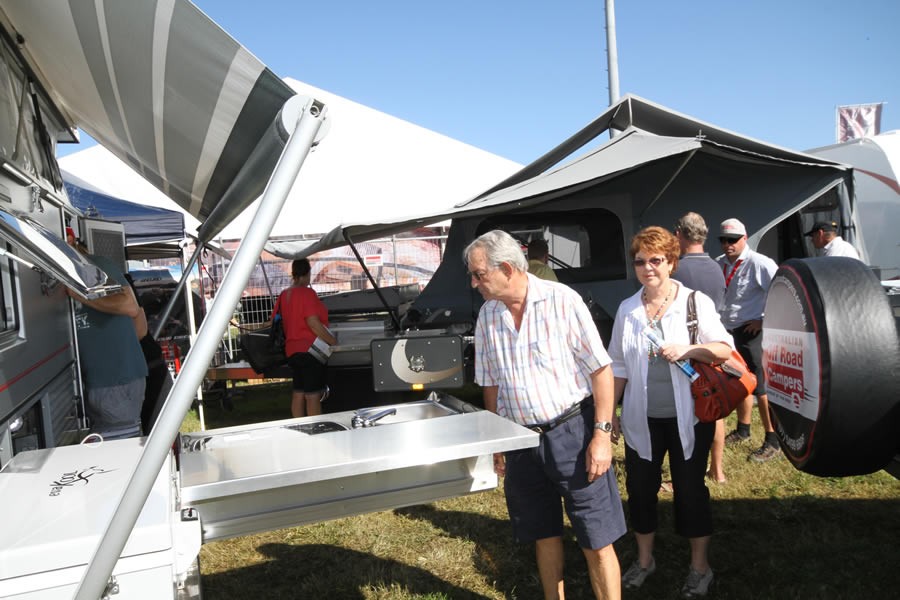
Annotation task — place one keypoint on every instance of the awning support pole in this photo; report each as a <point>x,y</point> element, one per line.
<point>179,291</point>
<point>668,182</point>
<point>362,263</point>
<point>309,117</point>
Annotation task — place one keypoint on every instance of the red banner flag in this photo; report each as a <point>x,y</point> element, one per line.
<point>858,120</point>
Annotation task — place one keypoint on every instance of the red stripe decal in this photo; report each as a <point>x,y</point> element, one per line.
<point>5,386</point>
<point>891,183</point>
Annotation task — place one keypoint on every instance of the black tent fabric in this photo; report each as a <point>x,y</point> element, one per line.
<point>143,224</point>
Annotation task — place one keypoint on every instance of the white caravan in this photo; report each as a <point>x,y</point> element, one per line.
<point>876,165</point>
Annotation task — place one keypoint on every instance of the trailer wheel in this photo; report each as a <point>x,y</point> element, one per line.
<point>831,359</point>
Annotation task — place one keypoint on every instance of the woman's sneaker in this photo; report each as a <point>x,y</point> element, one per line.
<point>636,574</point>
<point>697,584</point>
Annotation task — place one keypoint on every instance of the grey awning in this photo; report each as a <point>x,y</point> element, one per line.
<point>655,149</point>
<point>163,88</point>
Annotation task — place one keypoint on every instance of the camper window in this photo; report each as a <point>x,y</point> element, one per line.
<point>23,107</point>
<point>10,319</point>
<point>585,245</point>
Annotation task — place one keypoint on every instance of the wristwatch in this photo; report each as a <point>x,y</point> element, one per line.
<point>605,426</point>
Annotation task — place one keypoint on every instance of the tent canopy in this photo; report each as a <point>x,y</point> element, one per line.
<point>662,163</point>
<point>373,165</point>
<point>143,224</point>
<point>165,90</point>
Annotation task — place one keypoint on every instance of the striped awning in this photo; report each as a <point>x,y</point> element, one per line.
<point>163,88</point>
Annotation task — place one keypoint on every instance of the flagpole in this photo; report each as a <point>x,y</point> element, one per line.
<point>837,124</point>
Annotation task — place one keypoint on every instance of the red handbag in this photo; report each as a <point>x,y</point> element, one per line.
<point>720,387</point>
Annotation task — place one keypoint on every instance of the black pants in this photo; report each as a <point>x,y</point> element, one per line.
<point>693,515</point>
<point>159,382</point>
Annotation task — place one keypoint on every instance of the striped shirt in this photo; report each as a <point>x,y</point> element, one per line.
<point>545,367</point>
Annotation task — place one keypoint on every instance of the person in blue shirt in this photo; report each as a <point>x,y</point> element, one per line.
<point>699,272</point>
<point>113,367</point>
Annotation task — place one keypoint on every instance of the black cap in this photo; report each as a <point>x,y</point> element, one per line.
<point>823,226</point>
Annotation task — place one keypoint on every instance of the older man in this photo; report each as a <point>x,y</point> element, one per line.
<point>825,238</point>
<point>541,363</point>
<point>748,275</point>
<point>699,272</point>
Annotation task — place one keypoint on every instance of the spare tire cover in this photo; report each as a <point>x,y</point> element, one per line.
<point>831,360</point>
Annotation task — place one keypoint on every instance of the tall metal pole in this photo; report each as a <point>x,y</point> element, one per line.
<point>612,59</point>
<point>612,55</point>
<point>179,290</point>
<point>307,118</point>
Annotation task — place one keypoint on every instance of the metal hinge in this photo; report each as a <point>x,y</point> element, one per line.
<point>112,588</point>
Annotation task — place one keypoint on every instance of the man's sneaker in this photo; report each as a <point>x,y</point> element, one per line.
<point>736,438</point>
<point>635,575</point>
<point>697,584</point>
<point>765,453</point>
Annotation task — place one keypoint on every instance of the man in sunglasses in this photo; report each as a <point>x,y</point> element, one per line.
<point>748,275</point>
<point>541,363</point>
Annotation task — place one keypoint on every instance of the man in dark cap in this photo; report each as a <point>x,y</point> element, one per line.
<point>824,237</point>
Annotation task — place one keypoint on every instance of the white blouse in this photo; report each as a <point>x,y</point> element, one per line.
<point>629,348</point>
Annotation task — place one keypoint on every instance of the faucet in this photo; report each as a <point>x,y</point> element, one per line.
<point>362,419</point>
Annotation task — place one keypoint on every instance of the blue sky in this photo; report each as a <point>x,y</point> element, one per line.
<point>516,77</point>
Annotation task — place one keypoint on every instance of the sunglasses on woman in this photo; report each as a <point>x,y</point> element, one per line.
<point>654,262</point>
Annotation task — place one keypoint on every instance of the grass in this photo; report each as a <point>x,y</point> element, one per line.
<point>779,534</point>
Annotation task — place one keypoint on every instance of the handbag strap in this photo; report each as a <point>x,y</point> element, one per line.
<point>692,317</point>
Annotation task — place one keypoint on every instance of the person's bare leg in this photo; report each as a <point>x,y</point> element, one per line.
<point>313,403</point>
<point>645,548</point>
<point>604,572</point>
<point>700,554</point>
<point>298,404</point>
<point>716,452</point>
<point>745,410</point>
<point>762,402</point>
<point>549,555</point>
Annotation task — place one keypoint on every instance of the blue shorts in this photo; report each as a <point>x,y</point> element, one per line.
<point>537,478</point>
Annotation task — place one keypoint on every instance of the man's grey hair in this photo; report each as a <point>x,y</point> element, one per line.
<point>693,228</point>
<point>499,247</point>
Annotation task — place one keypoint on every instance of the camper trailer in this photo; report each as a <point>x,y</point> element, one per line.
<point>589,196</point>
